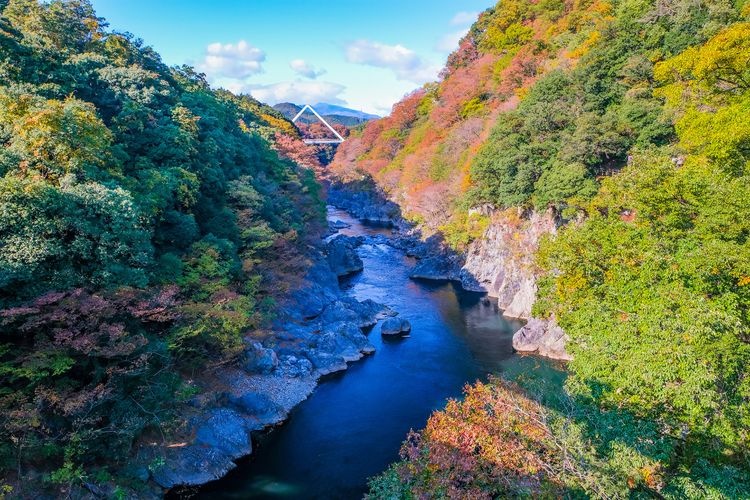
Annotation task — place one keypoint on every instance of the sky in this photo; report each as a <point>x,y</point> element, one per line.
<point>364,54</point>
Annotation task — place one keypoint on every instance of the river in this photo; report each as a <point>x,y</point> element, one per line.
<point>352,426</point>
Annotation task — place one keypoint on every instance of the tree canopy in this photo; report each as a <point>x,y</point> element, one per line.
<point>126,187</point>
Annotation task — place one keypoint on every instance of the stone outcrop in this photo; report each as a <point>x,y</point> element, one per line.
<point>542,337</point>
<point>365,204</point>
<point>434,268</point>
<point>501,261</point>
<point>338,224</point>
<point>342,255</point>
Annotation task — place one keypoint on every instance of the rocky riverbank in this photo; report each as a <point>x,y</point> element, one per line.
<point>318,330</point>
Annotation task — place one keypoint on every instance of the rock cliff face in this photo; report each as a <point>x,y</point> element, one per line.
<point>501,261</point>
<point>501,264</point>
<point>542,337</point>
<point>342,256</point>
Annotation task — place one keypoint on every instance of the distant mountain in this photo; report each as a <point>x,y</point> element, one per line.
<point>332,109</point>
<point>288,109</point>
<point>332,113</point>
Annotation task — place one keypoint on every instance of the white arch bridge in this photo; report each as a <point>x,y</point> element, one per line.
<point>337,140</point>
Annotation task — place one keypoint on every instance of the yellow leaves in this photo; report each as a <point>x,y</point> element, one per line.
<point>709,88</point>
<point>463,228</point>
<point>5,489</point>
<point>727,54</point>
<point>717,69</point>
<point>604,8</point>
<point>280,124</point>
<point>743,281</point>
<point>521,92</point>
<point>569,284</point>
<point>652,477</point>
<point>186,119</point>
<point>586,46</point>
<point>500,37</point>
<point>59,137</point>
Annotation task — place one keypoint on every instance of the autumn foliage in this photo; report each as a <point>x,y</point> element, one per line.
<point>147,221</point>
<point>422,153</point>
<point>493,443</point>
<point>627,120</point>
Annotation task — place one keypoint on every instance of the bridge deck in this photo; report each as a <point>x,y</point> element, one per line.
<point>322,141</point>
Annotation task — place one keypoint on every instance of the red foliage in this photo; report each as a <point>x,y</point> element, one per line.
<point>294,149</point>
<point>318,130</point>
<point>460,87</point>
<point>463,56</point>
<point>405,112</point>
<point>521,71</point>
<point>67,357</point>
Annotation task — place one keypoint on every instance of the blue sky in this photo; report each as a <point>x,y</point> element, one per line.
<point>362,53</point>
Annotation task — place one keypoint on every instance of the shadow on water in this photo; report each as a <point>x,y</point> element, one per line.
<point>352,426</point>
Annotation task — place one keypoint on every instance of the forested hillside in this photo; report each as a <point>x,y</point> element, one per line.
<point>146,224</point>
<point>627,120</point>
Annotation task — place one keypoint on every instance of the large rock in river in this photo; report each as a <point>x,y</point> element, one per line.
<point>395,326</point>
<point>542,337</point>
<point>434,268</point>
<point>342,256</point>
<point>260,407</point>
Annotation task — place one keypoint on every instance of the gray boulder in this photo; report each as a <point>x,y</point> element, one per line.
<point>343,339</point>
<point>226,431</point>
<point>260,407</point>
<point>338,224</point>
<point>325,363</point>
<point>363,314</point>
<point>542,337</point>
<point>342,256</point>
<point>395,326</point>
<point>260,359</point>
<point>190,465</point>
<point>292,366</point>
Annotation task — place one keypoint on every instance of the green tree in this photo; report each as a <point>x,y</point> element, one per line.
<point>55,238</point>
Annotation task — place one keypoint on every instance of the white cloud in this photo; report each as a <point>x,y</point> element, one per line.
<point>405,63</point>
<point>298,92</point>
<point>449,42</point>
<point>231,60</point>
<point>464,18</point>
<point>303,68</point>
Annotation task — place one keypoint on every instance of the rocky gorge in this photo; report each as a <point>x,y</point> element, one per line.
<point>321,328</point>
<point>499,263</point>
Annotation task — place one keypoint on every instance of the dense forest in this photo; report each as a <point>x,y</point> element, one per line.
<point>149,224</point>
<point>146,224</point>
<point>627,120</point>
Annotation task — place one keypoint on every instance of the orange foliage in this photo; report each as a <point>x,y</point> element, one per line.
<point>494,443</point>
<point>280,124</point>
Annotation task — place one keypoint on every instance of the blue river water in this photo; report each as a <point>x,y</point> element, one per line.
<point>352,426</point>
